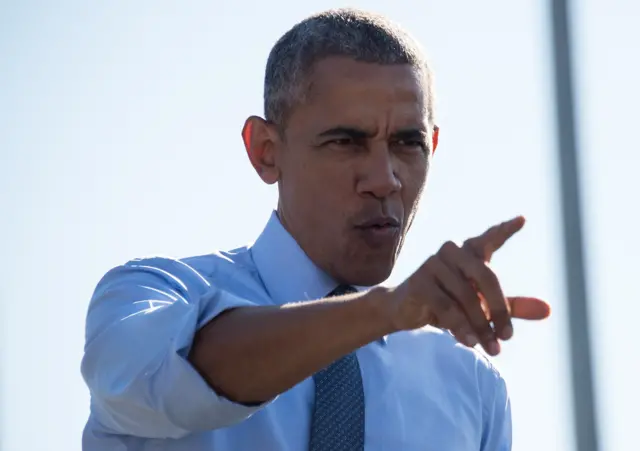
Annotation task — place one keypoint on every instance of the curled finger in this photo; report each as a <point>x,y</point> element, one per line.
<point>487,284</point>
<point>450,316</point>
<point>459,287</point>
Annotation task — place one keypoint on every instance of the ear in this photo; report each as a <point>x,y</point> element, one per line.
<point>436,135</point>
<point>260,142</point>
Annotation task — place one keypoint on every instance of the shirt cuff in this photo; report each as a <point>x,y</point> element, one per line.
<point>194,403</point>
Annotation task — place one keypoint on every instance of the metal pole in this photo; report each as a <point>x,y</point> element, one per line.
<point>584,413</point>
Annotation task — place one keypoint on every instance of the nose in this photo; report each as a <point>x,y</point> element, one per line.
<point>378,176</point>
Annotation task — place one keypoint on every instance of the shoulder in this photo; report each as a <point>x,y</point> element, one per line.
<point>184,274</point>
<point>221,262</point>
<point>206,265</point>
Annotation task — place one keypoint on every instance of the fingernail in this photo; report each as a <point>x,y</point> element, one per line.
<point>471,340</point>
<point>494,348</point>
<point>507,332</point>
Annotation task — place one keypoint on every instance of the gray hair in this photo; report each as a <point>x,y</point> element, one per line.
<point>347,32</point>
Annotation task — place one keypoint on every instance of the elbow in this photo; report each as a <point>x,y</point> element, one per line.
<point>131,399</point>
<point>121,405</point>
<point>170,400</point>
<point>119,415</point>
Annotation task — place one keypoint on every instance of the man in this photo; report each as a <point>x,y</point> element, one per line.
<point>280,345</point>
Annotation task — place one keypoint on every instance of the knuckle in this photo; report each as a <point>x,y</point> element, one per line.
<point>470,243</point>
<point>474,246</point>
<point>431,263</point>
<point>449,246</point>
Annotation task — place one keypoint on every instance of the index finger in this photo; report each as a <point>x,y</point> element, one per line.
<point>484,245</point>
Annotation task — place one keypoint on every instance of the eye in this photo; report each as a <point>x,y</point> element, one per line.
<point>341,141</point>
<point>411,144</point>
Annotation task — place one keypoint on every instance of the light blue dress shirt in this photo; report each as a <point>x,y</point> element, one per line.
<point>423,390</point>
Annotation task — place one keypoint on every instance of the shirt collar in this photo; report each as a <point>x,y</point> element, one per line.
<point>287,272</point>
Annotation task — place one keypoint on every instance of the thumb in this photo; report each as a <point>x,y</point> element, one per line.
<point>528,308</point>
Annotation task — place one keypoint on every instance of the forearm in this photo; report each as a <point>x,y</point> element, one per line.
<point>252,354</point>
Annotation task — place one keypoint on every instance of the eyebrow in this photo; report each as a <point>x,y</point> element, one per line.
<point>358,134</point>
<point>409,134</point>
<point>351,132</point>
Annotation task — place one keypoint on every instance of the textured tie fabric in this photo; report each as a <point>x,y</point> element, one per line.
<point>338,415</point>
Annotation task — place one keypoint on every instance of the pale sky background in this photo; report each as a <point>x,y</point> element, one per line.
<point>120,137</point>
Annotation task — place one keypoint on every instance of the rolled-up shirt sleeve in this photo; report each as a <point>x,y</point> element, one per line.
<point>140,326</point>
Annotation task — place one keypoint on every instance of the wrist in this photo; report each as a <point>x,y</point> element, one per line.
<point>381,308</point>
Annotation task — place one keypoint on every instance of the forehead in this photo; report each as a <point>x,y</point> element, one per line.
<point>348,92</point>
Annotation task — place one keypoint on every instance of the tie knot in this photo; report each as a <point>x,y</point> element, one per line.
<point>342,289</point>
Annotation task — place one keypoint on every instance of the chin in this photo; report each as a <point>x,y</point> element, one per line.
<point>368,274</point>
<point>366,266</point>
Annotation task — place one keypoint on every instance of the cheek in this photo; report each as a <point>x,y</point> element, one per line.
<point>412,192</point>
<point>413,179</point>
<point>316,185</point>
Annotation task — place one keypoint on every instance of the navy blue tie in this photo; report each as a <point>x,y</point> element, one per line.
<point>338,415</point>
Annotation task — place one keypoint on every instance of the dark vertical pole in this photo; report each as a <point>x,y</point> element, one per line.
<point>586,427</point>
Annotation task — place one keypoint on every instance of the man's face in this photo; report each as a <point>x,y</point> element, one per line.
<point>352,165</point>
